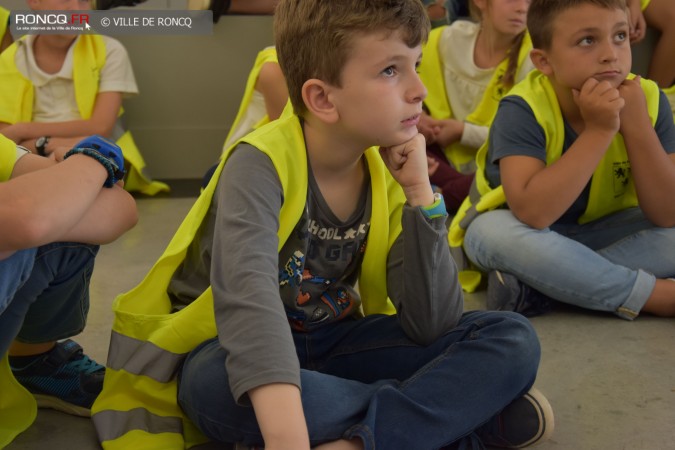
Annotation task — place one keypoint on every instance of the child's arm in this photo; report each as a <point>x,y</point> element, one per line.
<point>291,432</point>
<point>653,170</point>
<point>47,202</point>
<point>102,122</point>
<point>538,194</point>
<point>421,275</point>
<point>252,323</point>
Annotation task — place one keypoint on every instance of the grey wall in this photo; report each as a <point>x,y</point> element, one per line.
<point>191,88</point>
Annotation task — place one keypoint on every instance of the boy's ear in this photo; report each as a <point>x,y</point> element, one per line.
<point>540,60</point>
<point>317,97</point>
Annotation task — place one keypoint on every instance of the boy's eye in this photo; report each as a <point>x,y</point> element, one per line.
<point>389,71</point>
<point>588,40</point>
<point>621,36</point>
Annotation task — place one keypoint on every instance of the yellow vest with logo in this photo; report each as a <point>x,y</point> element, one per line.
<point>268,54</point>
<point>612,187</point>
<point>17,95</point>
<point>138,406</point>
<point>438,104</point>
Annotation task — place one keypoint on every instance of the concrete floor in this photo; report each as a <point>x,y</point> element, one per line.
<point>611,382</point>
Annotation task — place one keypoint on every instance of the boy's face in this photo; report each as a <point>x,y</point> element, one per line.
<point>588,41</point>
<point>380,101</point>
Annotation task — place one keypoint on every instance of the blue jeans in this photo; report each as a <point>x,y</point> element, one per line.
<point>45,293</point>
<point>610,264</point>
<point>364,378</point>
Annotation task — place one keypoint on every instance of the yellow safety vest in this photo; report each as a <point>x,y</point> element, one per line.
<point>670,93</point>
<point>17,406</point>
<point>268,54</point>
<point>138,406</point>
<point>438,104</point>
<point>7,157</point>
<point>607,194</point>
<point>4,18</point>
<point>16,102</point>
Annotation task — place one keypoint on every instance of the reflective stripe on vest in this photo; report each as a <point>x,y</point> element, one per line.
<point>114,424</point>
<point>143,358</point>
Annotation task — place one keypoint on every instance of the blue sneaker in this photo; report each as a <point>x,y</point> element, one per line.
<point>64,379</point>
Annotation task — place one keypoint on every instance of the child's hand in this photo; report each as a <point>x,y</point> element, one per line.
<point>408,164</point>
<point>636,19</point>
<point>58,153</point>
<point>599,104</point>
<point>14,133</point>
<point>429,127</point>
<point>451,131</point>
<point>433,165</point>
<point>635,113</point>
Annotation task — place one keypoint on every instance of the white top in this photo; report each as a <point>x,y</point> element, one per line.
<point>253,114</point>
<point>55,93</point>
<point>465,82</point>
<point>20,152</point>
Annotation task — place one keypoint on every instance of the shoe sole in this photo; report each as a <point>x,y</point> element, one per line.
<point>50,402</point>
<point>546,418</point>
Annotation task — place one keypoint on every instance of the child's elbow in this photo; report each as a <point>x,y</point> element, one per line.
<point>129,212</point>
<point>533,219</point>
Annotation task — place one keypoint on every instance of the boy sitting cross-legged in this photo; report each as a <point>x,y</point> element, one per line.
<point>257,291</point>
<point>585,155</point>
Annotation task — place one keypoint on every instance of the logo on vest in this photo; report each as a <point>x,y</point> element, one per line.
<point>621,178</point>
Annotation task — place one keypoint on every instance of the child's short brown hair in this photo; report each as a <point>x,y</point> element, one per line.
<point>313,37</point>
<point>542,13</point>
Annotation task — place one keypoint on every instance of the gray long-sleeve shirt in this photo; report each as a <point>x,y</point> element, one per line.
<point>258,290</point>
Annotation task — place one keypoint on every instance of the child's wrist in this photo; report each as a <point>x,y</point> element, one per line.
<point>436,209</point>
<point>421,195</point>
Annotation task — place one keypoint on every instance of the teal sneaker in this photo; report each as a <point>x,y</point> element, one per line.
<point>64,379</point>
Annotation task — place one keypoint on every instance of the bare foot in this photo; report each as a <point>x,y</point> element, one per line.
<point>662,300</point>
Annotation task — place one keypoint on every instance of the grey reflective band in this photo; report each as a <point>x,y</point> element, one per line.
<point>111,424</point>
<point>143,358</point>
<point>471,213</point>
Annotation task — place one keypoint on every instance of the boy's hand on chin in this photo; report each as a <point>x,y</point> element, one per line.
<point>634,114</point>
<point>408,164</point>
<point>599,104</point>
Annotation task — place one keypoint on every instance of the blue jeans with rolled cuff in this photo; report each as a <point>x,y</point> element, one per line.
<point>365,378</point>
